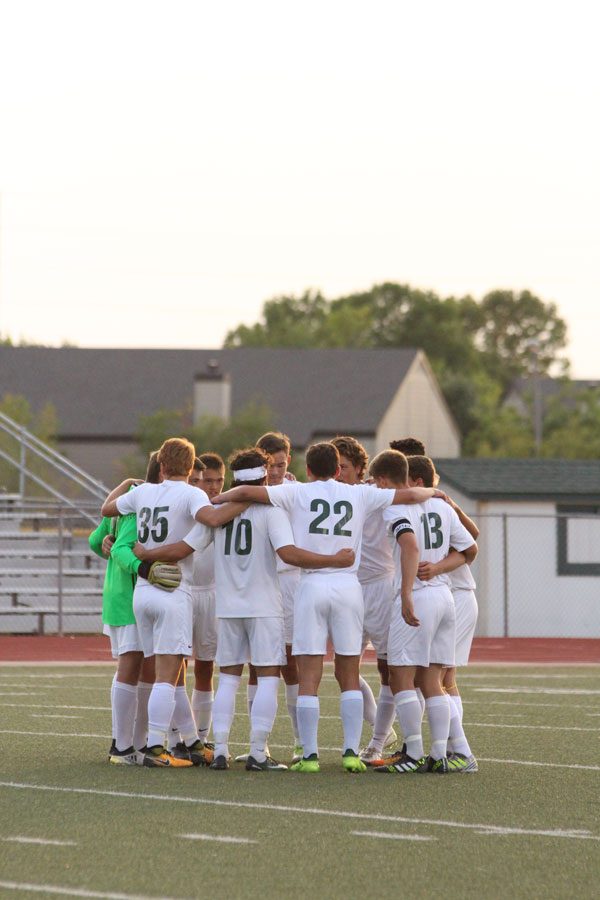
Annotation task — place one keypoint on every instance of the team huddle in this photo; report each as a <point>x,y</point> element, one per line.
<point>271,573</point>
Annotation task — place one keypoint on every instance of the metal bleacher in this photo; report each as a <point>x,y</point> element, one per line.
<point>50,581</point>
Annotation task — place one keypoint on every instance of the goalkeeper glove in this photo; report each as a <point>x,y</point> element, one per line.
<point>166,576</point>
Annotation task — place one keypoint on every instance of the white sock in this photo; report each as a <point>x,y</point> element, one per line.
<point>384,719</point>
<point>369,705</point>
<point>124,702</point>
<point>183,719</point>
<point>223,712</point>
<point>307,710</point>
<point>202,706</point>
<point>438,714</point>
<point>351,711</point>
<point>264,710</point>
<point>140,727</point>
<point>291,700</point>
<point>421,700</point>
<point>250,695</point>
<point>408,710</point>
<point>113,725</point>
<point>457,740</point>
<point>160,712</point>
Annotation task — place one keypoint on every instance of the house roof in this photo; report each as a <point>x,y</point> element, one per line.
<point>101,393</point>
<point>523,479</point>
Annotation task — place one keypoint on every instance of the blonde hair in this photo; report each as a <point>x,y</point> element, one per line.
<point>177,456</point>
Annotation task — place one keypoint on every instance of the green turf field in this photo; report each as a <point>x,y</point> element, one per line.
<point>526,826</point>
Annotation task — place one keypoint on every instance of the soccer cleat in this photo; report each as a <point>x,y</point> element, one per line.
<point>123,757</point>
<point>404,765</point>
<point>298,752</point>
<point>200,754</point>
<point>306,764</point>
<point>353,763</point>
<point>243,757</point>
<point>139,756</point>
<point>179,751</point>
<point>269,765</point>
<point>113,747</point>
<point>458,762</point>
<point>219,763</point>
<point>158,758</point>
<point>389,760</point>
<point>437,766</point>
<point>371,756</point>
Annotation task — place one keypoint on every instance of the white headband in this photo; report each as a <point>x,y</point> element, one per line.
<point>249,474</point>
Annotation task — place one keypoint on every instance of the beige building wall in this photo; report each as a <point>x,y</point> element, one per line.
<point>101,460</point>
<point>419,410</point>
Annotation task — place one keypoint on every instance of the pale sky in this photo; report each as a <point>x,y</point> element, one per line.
<point>167,167</point>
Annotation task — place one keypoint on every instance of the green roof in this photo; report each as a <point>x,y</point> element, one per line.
<point>558,480</point>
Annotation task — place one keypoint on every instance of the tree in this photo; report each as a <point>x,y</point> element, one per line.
<point>476,348</point>
<point>210,433</point>
<point>520,335</point>
<point>572,424</point>
<point>43,425</point>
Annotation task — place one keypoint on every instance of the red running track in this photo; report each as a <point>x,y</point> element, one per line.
<point>95,648</point>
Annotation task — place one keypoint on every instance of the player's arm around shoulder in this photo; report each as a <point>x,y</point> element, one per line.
<point>96,538</point>
<point>243,494</point>
<point>110,506</point>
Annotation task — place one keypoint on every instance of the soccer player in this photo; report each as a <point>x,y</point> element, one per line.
<point>462,585</point>
<point>422,628</point>
<point>166,510</point>
<point>249,609</point>
<point>327,516</point>
<point>113,539</point>
<point>410,446</point>
<point>212,479</point>
<point>376,577</point>
<point>278,446</point>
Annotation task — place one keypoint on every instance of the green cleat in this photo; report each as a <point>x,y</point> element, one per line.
<point>306,764</point>
<point>458,762</point>
<point>298,753</point>
<point>353,763</point>
<point>437,766</point>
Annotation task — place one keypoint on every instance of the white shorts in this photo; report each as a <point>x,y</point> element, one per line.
<point>378,597</point>
<point>328,606</point>
<point>430,642</point>
<point>123,639</point>
<point>258,641</point>
<point>288,582</point>
<point>204,637</point>
<point>164,619</point>
<point>466,620</point>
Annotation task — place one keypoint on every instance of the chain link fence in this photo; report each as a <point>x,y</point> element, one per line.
<point>50,581</point>
<point>537,575</point>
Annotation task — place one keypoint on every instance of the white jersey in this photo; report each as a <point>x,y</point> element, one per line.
<point>245,569</point>
<point>165,513</point>
<point>203,562</point>
<point>436,527</point>
<point>328,516</point>
<point>462,579</point>
<point>376,560</point>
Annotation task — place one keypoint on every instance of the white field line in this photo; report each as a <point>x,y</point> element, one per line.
<point>18,694</point>
<point>395,837</point>
<point>21,839</point>
<point>220,839</point>
<point>106,737</point>
<point>57,675</point>
<point>528,727</point>
<point>65,706</point>
<point>304,810</point>
<point>53,716</point>
<point>489,702</point>
<point>73,892</point>
<point>523,689</point>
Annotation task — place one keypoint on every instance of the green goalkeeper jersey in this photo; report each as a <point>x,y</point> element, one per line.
<point>121,568</point>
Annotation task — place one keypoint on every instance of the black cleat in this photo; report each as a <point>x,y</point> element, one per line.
<point>220,763</point>
<point>269,765</point>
